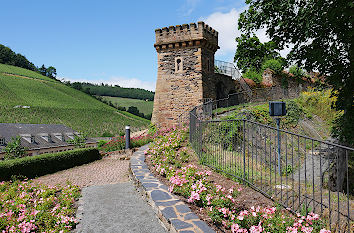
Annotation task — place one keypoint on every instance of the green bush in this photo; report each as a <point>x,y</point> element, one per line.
<point>39,165</point>
<point>253,75</point>
<point>14,149</point>
<point>101,143</point>
<point>276,65</point>
<point>296,71</point>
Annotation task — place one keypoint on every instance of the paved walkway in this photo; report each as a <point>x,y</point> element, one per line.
<point>116,208</point>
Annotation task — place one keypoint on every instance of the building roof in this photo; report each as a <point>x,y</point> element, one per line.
<point>43,135</point>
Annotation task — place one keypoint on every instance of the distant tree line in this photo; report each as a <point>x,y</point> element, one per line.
<point>110,90</point>
<point>9,57</point>
<point>132,109</point>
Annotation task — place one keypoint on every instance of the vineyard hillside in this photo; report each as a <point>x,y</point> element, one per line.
<point>28,97</point>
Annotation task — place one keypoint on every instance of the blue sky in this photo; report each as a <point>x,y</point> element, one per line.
<point>108,41</point>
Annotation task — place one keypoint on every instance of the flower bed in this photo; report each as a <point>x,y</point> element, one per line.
<point>170,159</point>
<point>118,143</point>
<point>27,207</point>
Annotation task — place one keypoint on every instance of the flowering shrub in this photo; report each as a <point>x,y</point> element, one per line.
<point>118,143</point>
<point>27,207</point>
<point>169,159</point>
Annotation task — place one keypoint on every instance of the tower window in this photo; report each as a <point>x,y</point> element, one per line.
<point>179,64</point>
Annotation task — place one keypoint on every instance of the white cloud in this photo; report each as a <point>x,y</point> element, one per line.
<point>227,26</point>
<point>188,7</point>
<point>121,81</point>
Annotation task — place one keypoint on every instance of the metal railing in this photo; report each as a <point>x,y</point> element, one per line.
<point>313,173</point>
<point>229,69</point>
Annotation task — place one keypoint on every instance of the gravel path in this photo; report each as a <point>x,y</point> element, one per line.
<point>109,170</point>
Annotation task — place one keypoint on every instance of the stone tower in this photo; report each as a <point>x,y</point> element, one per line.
<point>185,57</point>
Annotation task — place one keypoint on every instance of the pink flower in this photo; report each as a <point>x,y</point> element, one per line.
<point>256,229</point>
<point>234,227</point>
<point>325,231</point>
<point>194,196</point>
<point>306,229</point>
<point>291,230</point>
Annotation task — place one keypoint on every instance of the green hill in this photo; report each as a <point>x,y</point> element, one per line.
<point>142,105</point>
<point>7,69</point>
<point>52,102</point>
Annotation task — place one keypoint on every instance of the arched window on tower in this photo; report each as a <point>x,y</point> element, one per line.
<point>179,64</point>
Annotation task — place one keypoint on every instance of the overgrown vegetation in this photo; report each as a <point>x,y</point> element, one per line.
<point>309,104</point>
<point>276,65</point>
<point>38,165</point>
<point>254,75</point>
<point>14,149</point>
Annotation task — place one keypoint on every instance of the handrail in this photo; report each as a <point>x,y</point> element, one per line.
<point>229,69</point>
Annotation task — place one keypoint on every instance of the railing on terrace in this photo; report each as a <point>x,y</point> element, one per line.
<point>311,170</point>
<point>229,69</point>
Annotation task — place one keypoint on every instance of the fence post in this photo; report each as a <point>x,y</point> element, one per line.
<point>278,131</point>
<point>127,137</point>
<point>244,149</point>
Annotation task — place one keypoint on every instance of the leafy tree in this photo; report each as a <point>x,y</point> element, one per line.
<point>14,149</point>
<point>9,57</point>
<point>253,75</point>
<point>76,85</point>
<point>277,65</point>
<point>6,55</point>
<point>322,34</point>
<point>79,141</point>
<point>51,72</point>
<point>251,53</point>
<point>296,71</point>
<point>42,70</point>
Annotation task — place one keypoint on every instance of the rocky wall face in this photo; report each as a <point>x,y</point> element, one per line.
<point>178,86</point>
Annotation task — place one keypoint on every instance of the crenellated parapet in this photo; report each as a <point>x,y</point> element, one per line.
<point>186,35</point>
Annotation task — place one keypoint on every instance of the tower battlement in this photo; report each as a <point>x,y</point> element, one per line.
<point>186,35</point>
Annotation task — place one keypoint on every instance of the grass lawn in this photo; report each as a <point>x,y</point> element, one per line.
<point>143,106</point>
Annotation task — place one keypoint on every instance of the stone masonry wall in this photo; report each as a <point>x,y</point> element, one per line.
<point>185,60</point>
<point>177,91</point>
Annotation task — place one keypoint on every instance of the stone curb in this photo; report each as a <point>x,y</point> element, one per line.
<point>174,213</point>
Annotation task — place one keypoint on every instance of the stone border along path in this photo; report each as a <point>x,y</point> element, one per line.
<point>173,212</point>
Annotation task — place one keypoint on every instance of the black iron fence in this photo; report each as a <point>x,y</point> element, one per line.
<point>311,175</point>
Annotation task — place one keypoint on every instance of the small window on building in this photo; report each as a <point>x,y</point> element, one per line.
<point>2,141</point>
<point>179,64</point>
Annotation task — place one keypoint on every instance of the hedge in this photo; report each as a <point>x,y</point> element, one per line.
<point>39,165</point>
